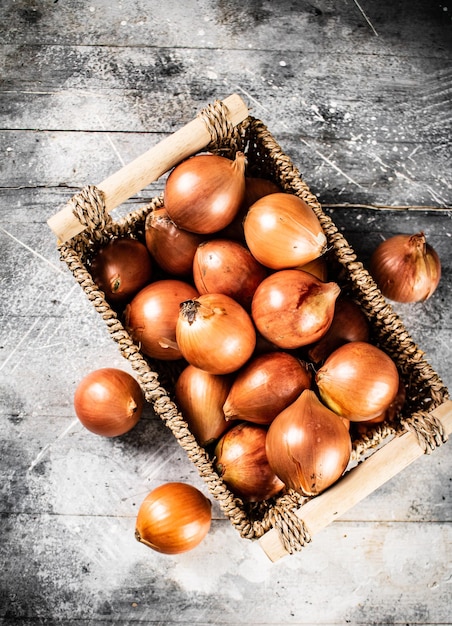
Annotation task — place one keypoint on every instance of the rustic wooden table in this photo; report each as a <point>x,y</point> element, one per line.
<point>359,95</point>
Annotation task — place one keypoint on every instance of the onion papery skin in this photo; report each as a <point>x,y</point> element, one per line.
<point>308,446</point>
<point>121,269</point>
<point>152,315</point>
<point>255,188</point>
<point>241,461</point>
<point>201,397</point>
<point>264,345</point>
<point>215,333</point>
<point>226,266</point>
<point>406,268</point>
<point>266,386</point>
<point>358,381</point>
<point>349,324</point>
<point>292,308</point>
<point>173,518</point>
<point>282,231</point>
<point>318,267</point>
<point>108,402</point>
<point>203,194</point>
<point>389,415</point>
<point>170,246</point>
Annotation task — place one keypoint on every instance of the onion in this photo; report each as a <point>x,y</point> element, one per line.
<point>264,345</point>
<point>225,266</point>
<point>308,446</point>
<point>215,333</point>
<point>282,231</point>
<point>121,269</point>
<point>172,247</point>
<point>406,268</point>
<point>173,518</point>
<point>152,315</point>
<point>266,386</point>
<point>108,402</point>
<point>349,324</point>
<point>318,267</point>
<point>292,308</point>
<point>389,415</point>
<point>358,381</point>
<point>201,396</point>
<point>203,194</point>
<point>255,188</point>
<point>241,461</point>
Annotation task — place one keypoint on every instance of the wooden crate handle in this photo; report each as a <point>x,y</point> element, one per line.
<point>148,167</point>
<point>357,484</point>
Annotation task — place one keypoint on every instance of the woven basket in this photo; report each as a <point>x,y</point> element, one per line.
<point>424,389</point>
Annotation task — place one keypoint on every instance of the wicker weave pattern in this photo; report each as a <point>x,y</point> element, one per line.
<point>265,159</point>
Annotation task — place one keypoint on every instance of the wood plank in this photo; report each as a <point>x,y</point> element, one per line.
<point>121,91</point>
<point>99,572</point>
<point>284,26</point>
<point>343,143</point>
<point>339,174</point>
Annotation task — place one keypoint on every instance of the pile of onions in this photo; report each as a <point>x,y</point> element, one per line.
<point>255,188</point>
<point>406,268</point>
<point>173,518</point>
<point>240,295</point>
<point>108,402</point>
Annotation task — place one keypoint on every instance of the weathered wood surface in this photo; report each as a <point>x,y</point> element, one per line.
<point>360,99</point>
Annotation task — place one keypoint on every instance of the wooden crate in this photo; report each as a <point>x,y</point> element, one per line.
<point>286,523</point>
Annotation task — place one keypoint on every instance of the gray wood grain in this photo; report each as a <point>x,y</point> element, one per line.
<point>359,96</point>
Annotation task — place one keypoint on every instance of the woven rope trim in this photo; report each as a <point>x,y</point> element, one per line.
<point>222,132</point>
<point>268,157</point>
<point>88,206</point>
<point>291,529</point>
<point>372,440</point>
<point>428,430</point>
<point>215,117</point>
